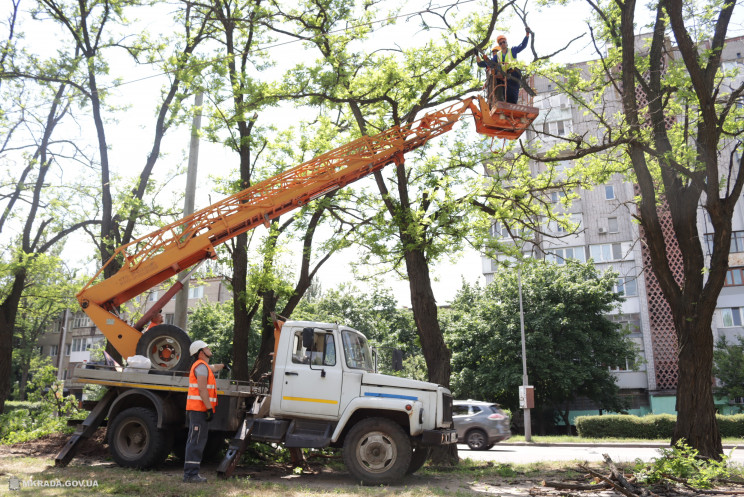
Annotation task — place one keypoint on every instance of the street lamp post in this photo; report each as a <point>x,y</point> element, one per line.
<point>525,382</point>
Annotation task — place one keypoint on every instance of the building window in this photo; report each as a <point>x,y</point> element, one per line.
<point>53,350</point>
<point>606,252</point>
<point>612,225</point>
<point>83,344</point>
<point>500,231</point>
<point>609,192</point>
<point>557,128</point>
<point>560,255</point>
<point>82,321</point>
<point>67,349</point>
<point>627,287</point>
<point>556,197</point>
<point>731,316</point>
<point>734,277</point>
<point>64,374</point>
<point>737,242</point>
<point>153,296</point>
<point>196,292</point>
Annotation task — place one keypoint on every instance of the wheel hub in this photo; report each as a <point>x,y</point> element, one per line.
<point>164,352</point>
<point>376,452</point>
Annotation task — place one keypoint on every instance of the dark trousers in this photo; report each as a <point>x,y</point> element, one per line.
<point>512,87</point>
<point>198,432</point>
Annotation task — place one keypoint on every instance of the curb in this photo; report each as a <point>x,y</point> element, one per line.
<point>636,445</point>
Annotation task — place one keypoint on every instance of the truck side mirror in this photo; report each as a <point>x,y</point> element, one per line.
<point>308,336</point>
<point>397,360</point>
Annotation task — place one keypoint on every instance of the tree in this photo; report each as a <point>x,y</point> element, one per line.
<point>213,323</point>
<point>238,94</point>
<point>729,368</point>
<point>27,195</point>
<point>676,138</point>
<point>49,291</point>
<point>570,342</point>
<point>416,212</point>
<point>90,31</point>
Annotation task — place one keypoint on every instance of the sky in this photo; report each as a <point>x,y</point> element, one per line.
<point>554,27</point>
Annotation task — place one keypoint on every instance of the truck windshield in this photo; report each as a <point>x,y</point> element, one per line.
<point>356,350</point>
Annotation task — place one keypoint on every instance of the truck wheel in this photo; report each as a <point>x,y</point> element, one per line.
<point>135,440</point>
<point>167,347</point>
<point>477,440</point>
<point>418,458</point>
<point>377,450</point>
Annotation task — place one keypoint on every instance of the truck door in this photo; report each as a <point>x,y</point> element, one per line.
<point>313,376</point>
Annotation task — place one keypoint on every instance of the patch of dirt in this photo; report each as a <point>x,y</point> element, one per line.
<point>95,447</point>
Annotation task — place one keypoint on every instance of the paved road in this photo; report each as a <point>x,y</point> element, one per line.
<point>523,454</point>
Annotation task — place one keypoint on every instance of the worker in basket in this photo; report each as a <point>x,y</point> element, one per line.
<point>503,71</point>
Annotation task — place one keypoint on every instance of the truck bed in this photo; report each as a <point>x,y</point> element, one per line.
<point>168,381</point>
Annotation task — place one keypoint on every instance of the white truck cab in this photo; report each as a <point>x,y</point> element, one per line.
<point>324,383</point>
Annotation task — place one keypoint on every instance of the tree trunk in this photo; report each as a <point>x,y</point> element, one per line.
<point>263,359</point>
<point>436,353</point>
<point>696,415</point>
<point>8,312</point>
<point>241,321</point>
<point>424,307</point>
<point>23,382</point>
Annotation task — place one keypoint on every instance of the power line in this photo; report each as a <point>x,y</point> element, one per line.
<point>289,42</point>
<point>274,46</point>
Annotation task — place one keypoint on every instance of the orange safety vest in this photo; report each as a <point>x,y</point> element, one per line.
<point>193,399</point>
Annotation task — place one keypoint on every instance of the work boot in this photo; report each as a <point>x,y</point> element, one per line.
<point>194,479</point>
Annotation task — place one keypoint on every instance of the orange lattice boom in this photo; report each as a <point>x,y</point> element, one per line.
<point>153,258</point>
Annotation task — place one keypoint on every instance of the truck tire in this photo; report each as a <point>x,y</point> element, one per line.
<point>377,451</point>
<point>418,458</point>
<point>477,440</point>
<point>135,440</point>
<point>167,347</point>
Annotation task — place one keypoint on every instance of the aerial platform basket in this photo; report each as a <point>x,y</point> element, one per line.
<point>504,120</point>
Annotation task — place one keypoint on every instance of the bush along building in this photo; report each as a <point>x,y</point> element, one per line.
<point>607,234</point>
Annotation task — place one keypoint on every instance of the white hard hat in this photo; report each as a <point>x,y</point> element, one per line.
<point>197,346</point>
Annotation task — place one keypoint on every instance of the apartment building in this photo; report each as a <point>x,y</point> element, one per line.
<point>607,233</point>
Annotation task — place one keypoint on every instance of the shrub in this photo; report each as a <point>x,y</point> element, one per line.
<point>46,413</point>
<point>682,463</point>
<point>656,426</point>
<point>731,426</point>
<point>626,426</point>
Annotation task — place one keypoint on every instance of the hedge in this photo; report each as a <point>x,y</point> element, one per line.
<point>657,426</point>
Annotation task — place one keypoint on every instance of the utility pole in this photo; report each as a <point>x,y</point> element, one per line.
<point>525,394</point>
<point>182,297</point>
<point>62,344</point>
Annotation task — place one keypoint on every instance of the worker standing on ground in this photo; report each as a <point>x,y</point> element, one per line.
<point>201,401</point>
<point>507,58</point>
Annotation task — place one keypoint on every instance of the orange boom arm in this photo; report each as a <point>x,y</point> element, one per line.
<point>152,259</point>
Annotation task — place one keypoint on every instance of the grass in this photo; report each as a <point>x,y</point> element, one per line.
<point>466,480</point>
<point>575,439</point>
<point>469,479</point>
